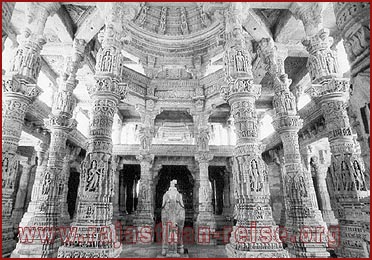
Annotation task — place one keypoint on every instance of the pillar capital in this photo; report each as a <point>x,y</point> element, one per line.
<point>203,157</point>
<point>273,56</point>
<point>145,158</point>
<point>310,14</point>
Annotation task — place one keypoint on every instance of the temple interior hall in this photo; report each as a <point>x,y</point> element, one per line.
<point>257,112</point>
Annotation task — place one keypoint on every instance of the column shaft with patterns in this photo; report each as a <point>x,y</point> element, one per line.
<point>353,24</point>
<point>205,223</point>
<point>144,215</point>
<point>250,173</point>
<point>96,186</point>
<point>45,207</point>
<point>347,175</point>
<point>300,193</point>
<point>27,164</point>
<point>19,91</point>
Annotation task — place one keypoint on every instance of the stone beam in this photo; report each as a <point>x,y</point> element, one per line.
<point>254,25</point>
<point>63,25</point>
<point>289,29</point>
<point>49,73</point>
<point>90,27</point>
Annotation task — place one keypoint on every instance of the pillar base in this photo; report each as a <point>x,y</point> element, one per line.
<point>235,253</point>
<point>75,252</point>
<point>36,249</point>
<point>205,228</point>
<point>144,228</point>
<point>82,244</point>
<point>8,242</point>
<point>329,218</point>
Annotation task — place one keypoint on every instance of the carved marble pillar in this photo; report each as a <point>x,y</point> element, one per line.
<point>306,153</point>
<point>250,173</point>
<point>144,216</point>
<point>299,188</point>
<point>118,180</point>
<point>205,224</point>
<point>19,91</point>
<point>353,23</point>
<point>325,201</point>
<point>48,207</point>
<point>96,187</point>
<point>19,206</point>
<point>346,178</point>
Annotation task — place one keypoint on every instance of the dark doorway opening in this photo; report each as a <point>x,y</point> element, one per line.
<point>73,186</point>
<point>129,176</point>
<point>217,182</point>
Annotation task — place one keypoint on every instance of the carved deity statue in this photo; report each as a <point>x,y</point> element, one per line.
<point>173,218</point>
<point>240,62</point>
<point>92,178</point>
<point>46,184</point>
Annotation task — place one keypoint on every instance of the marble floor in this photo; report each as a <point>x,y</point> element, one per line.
<point>154,250</point>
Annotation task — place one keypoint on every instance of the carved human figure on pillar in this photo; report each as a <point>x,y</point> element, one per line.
<point>93,177</point>
<point>241,65</point>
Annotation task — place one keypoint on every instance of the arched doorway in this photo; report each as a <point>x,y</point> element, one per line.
<point>185,184</point>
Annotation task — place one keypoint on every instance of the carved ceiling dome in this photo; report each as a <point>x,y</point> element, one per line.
<point>172,20</point>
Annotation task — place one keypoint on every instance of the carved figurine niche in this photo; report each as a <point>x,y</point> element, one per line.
<point>93,176</point>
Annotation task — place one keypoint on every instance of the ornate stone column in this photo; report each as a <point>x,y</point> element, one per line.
<point>303,208</point>
<point>346,177</point>
<point>96,187</point>
<point>325,205</point>
<point>205,224</point>
<point>27,164</point>
<point>19,91</point>
<point>250,173</point>
<point>144,216</point>
<point>117,183</point>
<point>47,207</point>
<point>353,23</point>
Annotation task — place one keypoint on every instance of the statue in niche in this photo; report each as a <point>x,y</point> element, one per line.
<point>173,219</point>
<point>331,63</point>
<point>360,182</point>
<point>345,176</point>
<point>288,102</point>
<point>184,26</point>
<point>5,165</point>
<point>163,17</point>
<point>240,62</point>
<point>46,184</point>
<point>93,177</point>
<point>106,61</point>
<point>142,16</point>
<point>302,187</point>
<point>255,176</point>
<point>203,140</point>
